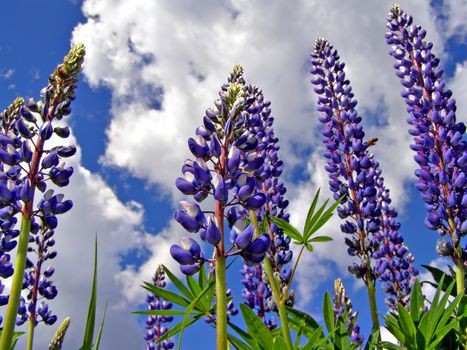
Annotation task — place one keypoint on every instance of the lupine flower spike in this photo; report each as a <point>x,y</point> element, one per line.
<point>355,175</point>
<point>226,159</point>
<point>59,337</point>
<point>155,328</point>
<point>439,142</point>
<point>343,304</point>
<point>27,164</point>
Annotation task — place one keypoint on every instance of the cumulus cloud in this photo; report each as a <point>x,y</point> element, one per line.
<point>97,212</point>
<point>164,61</point>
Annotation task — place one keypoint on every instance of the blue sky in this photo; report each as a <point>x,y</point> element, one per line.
<point>141,97</point>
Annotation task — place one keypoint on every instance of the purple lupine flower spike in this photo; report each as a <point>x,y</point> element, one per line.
<point>356,176</point>
<point>439,142</point>
<point>25,128</point>
<point>156,325</point>
<point>341,304</point>
<point>256,290</point>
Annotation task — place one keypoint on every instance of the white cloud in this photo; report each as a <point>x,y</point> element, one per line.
<point>458,85</point>
<point>454,23</point>
<point>6,73</point>
<point>164,62</point>
<point>97,210</point>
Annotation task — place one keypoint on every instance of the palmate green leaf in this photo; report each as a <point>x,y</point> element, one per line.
<point>301,320</point>
<point>190,308</point>
<point>166,294</point>
<point>202,279</point>
<point>91,317</point>
<point>328,312</point>
<point>320,218</point>
<point>442,333</point>
<point>392,325</point>
<point>288,229</point>
<point>178,284</point>
<point>193,285</point>
<point>256,326</point>
<point>313,342</point>
<point>341,336</point>
<point>174,330</point>
<point>311,211</point>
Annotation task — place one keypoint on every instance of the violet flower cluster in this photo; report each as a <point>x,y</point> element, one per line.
<point>343,304</point>
<point>257,291</point>
<point>439,140</point>
<point>355,176</point>
<point>26,164</point>
<point>224,167</point>
<point>155,328</point>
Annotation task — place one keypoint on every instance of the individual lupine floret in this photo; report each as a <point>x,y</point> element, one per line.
<point>439,143</point>
<point>341,305</point>
<point>155,325</point>
<point>355,176</point>
<point>26,164</point>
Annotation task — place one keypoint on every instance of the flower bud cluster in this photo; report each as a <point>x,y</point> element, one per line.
<point>350,167</point>
<point>342,304</point>
<point>394,262</point>
<point>155,328</point>
<point>26,165</point>
<point>356,176</point>
<point>226,166</point>
<point>439,142</point>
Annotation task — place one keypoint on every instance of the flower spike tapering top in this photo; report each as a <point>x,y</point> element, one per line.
<point>354,174</point>
<point>27,163</point>
<point>439,142</point>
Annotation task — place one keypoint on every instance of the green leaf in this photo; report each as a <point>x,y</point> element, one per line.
<point>160,312</point>
<point>238,343</point>
<point>407,325</point>
<point>314,218</point>
<point>91,317</point>
<point>417,302</point>
<point>309,247</point>
<point>101,327</point>
<point>202,276</point>
<point>311,211</point>
<point>328,312</point>
<point>190,308</point>
<point>176,328</point>
<point>245,336</point>
<point>320,239</point>
<point>178,284</point>
<point>279,344</point>
<point>256,326</point>
<point>320,219</point>
<point>194,287</point>
<point>15,339</point>
<point>288,229</point>
<point>341,336</point>
<point>166,294</point>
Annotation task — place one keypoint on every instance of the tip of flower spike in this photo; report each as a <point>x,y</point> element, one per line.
<point>320,44</point>
<point>57,340</point>
<point>71,65</point>
<point>395,10</point>
<point>237,70</point>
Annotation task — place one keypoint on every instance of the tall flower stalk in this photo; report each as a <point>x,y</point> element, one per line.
<point>355,176</point>
<point>155,328</point>
<point>438,138</point>
<point>26,164</point>
<point>226,159</point>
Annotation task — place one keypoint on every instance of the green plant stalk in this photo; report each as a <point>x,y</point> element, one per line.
<point>221,304</point>
<point>16,285</point>
<point>280,302</point>
<point>31,327</point>
<point>373,308</point>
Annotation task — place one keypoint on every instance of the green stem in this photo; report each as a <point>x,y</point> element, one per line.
<point>16,285</point>
<point>221,304</point>
<point>295,267</point>
<point>31,327</point>
<point>275,289</point>
<point>373,308</point>
<point>280,303</point>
